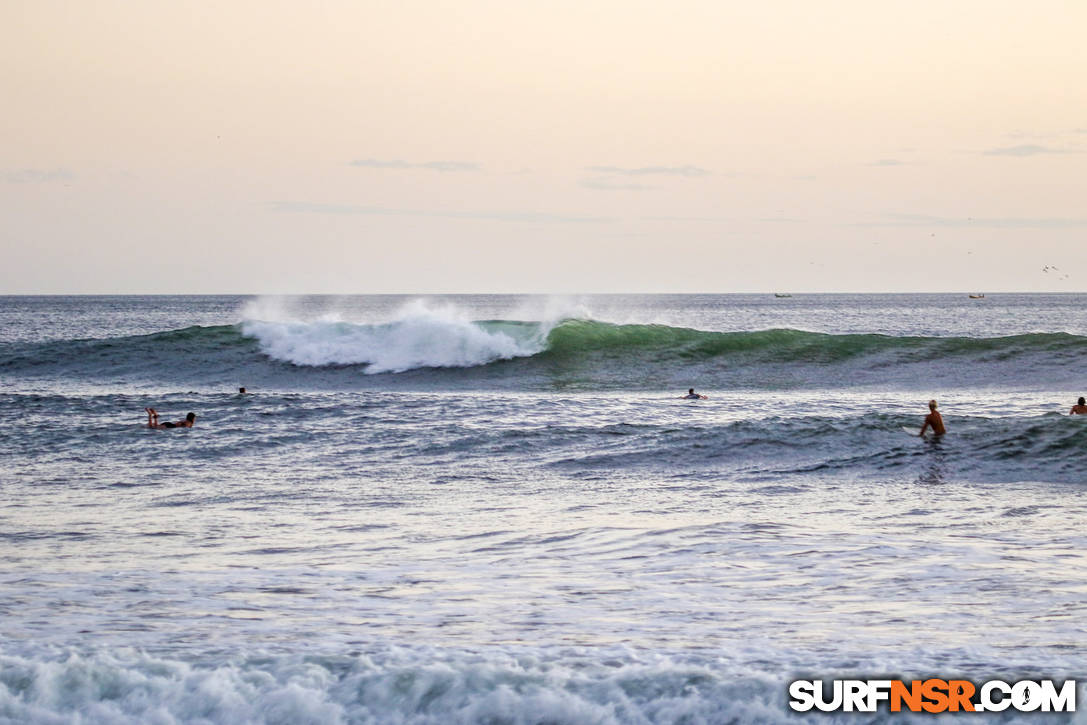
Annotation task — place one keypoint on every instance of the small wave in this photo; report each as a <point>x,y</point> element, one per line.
<point>870,445</point>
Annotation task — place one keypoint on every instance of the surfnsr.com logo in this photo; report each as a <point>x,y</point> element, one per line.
<point>933,695</point>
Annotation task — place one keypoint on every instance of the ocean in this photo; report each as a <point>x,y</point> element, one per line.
<point>499,509</point>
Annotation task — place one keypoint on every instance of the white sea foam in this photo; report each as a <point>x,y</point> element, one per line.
<point>415,686</point>
<point>422,335</point>
<point>404,687</point>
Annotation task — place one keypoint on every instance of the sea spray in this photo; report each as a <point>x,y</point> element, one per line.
<point>422,336</point>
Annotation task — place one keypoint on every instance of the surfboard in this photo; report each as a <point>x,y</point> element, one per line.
<point>911,431</point>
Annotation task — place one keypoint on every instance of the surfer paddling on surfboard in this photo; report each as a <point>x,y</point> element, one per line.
<point>933,419</point>
<point>692,395</point>
<point>153,420</point>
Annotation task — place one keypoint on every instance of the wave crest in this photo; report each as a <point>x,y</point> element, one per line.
<point>443,347</point>
<point>422,337</point>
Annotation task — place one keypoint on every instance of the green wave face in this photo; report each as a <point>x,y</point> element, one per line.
<point>578,337</point>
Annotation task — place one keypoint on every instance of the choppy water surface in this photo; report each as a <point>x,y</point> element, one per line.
<point>497,509</point>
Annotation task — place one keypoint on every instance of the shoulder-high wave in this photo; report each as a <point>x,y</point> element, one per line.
<point>435,350</point>
<point>574,336</point>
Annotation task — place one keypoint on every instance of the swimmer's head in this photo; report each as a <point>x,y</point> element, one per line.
<point>1082,401</point>
<point>190,417</point>
<point>690,391</point>
<point>932,405</point>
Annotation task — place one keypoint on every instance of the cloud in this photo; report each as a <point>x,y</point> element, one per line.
<point>1023,150</point>
<point>921,220</point>
<point>37,176</point>
<point>430,165</point>
<point>689,171</point>
<point>723,219</point>
<point>605,185</point>
<point>302,207</point>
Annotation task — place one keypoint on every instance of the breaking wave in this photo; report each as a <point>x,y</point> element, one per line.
<point>436,348</point>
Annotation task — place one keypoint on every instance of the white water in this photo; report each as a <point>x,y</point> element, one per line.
<point>422,335</point>
<point>422,686</point>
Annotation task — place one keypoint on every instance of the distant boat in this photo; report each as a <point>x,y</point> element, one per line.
<point>778,294</point>
<point>977,297</point>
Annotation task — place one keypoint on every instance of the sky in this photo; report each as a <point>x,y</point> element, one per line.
<point>566,146</point>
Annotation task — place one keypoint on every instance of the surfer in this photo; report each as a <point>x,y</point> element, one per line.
<point>153,420</point>
<point>933,419</point>
<point>692,395</point>
<point>1080,408</point>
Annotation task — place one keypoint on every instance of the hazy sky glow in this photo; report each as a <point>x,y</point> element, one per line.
<point>563,146</point>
